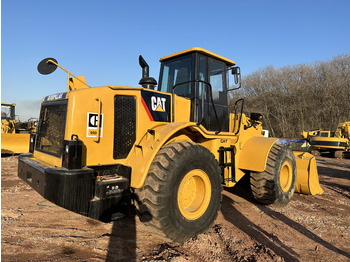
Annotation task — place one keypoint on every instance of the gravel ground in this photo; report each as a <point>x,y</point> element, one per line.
<point>310,228</point>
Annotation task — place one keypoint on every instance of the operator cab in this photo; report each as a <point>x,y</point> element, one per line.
<point>192,74</point>
<point>7,111</point>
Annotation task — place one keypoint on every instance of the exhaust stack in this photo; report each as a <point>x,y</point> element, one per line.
<point>146,81</point>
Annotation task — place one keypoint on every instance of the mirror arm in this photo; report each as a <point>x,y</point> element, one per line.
<point>69,73</point>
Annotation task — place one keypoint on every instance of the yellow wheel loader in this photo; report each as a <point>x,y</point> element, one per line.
<point>168,150</point>
<point>14,134</point>
<point>324,141</point>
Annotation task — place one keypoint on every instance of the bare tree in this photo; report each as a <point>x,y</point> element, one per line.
<point>301,97</point>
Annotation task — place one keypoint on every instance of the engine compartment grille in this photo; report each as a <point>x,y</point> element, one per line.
<point>124,125</point>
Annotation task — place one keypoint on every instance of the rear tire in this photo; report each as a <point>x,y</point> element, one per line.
<point>339,154</point>
<point>182,191</point>
<point>315,152</point>
<point>276,185</point>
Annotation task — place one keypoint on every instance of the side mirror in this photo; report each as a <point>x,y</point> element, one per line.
<point>236,71</point>
<point>46,67</point>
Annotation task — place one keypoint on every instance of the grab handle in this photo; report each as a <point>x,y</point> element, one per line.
<point>98,121</point>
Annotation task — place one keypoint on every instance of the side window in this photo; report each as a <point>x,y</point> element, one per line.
<point>165,79</point>
<point>324,134</point>
<point>217,79</point>
<point>5,112</point>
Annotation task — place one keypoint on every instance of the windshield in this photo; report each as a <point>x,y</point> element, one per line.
<point>6,112</point>
<point>175,72</point>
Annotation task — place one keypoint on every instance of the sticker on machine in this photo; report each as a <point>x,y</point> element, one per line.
<point>91,125</point>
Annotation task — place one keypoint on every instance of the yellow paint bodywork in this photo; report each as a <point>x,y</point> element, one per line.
<point>253,154</point>
<point>251,147</point>
<point>100,151</point>
<point>14,143</point>
<point>14,140</point>
<point>142,155</point>
<point>48,159</point>
<point>307,175</point>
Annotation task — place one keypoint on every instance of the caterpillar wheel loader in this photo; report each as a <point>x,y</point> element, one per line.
<point>324,141</point>
<point>169,149</point>
<point>14,134</point>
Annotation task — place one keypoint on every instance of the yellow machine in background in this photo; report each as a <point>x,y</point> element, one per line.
<point>324,141</point>
<point>14,134</point>
<point>169,150</point>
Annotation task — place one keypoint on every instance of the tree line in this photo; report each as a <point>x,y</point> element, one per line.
<point>300,97</point>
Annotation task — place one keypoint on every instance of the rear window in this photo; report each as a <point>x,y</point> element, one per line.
<point>50,131</point>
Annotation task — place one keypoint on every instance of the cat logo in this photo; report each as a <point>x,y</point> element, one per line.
<point>91,124</point>
<point>158,104</point>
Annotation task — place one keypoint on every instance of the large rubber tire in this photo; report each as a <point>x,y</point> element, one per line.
<point>182,191</point>
<point>276,185</point>
<point>339,154</point>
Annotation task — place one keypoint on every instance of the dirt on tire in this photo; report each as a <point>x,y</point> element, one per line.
<point>309,228</point>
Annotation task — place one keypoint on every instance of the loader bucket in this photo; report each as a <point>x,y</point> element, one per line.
<point>307,175</point>
<point>14,143</point>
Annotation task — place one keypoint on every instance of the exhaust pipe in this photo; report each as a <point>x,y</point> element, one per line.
<point>146,81</point>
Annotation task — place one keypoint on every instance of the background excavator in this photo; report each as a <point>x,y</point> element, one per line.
<point>336,143</point>
<point>15,134</point>
<point>168,150</point>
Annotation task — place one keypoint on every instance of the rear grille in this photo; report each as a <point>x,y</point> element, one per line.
<point>50,131</point>
<point>124,125</point>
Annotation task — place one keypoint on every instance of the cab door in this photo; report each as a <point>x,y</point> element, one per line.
<point>214,72</point>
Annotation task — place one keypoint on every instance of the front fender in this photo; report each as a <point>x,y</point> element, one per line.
<point>252,155</point>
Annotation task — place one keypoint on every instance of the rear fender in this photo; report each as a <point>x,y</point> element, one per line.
<point>143,153</point>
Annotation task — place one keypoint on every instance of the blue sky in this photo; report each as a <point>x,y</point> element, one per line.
<point>103,39</point>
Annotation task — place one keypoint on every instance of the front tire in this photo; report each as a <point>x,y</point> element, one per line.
<point>276,185</point>
<point>182,191</point>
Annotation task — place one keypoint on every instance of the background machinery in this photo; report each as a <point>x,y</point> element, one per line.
<point>324,141</point>
<point>14,134</point>
<point>169,150</point>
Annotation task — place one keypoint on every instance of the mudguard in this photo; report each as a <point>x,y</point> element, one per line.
<point>254,152</point>
<point>144,152</point>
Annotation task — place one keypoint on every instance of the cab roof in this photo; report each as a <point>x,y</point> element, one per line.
<point>199,50</point>
<point>7,104</point>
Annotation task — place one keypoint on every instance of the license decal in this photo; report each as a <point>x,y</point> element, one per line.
<point>91,124</point>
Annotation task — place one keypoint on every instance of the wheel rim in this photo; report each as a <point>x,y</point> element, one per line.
<point>286,175</point>
<point>194,194</point>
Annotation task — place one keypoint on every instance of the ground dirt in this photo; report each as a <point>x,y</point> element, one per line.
<point>310,228</point>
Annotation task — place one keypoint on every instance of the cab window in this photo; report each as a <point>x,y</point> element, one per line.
<point>177,72</point>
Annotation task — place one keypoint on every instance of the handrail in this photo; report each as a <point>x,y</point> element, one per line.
<point>98,120</point>
<point>211,98</point>
<point>240,117</point>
